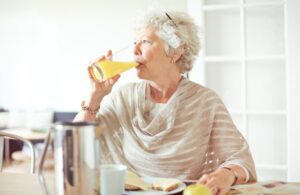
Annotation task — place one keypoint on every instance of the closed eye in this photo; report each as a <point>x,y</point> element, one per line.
<point>143,42</point>
<point>146,41</point>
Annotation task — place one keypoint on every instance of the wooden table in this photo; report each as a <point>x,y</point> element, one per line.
<point>28,184</point>
<point>25,133</point>
<point>25,184</point>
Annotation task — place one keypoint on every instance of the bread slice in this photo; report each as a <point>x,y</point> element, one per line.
<point>166,184</point>
<point>134,182</point>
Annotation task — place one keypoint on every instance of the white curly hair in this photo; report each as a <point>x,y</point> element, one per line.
<point>179,32</point>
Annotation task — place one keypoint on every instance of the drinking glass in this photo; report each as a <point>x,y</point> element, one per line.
<point>106,69</point>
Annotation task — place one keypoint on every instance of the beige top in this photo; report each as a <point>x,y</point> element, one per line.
<point>190,135</point>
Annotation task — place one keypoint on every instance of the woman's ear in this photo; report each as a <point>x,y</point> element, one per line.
<point>175,58</point>
<point>177,54</point>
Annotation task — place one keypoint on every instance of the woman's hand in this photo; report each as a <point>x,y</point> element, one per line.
<point>218,181</point>
<point>99,90</point>
<point>102,88</point>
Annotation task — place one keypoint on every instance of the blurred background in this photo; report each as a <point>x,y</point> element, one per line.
<point>250,57</point>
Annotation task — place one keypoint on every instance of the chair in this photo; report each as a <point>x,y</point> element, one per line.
<point>12,136</point>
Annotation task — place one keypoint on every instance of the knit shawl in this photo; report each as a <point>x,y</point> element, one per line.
<point>190,135</point>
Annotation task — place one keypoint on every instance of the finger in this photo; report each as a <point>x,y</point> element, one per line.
<point>109,55</point>
<point>214,190</point>
<point>114,79</point>
<point>91,75</point>
<point>211,184</point>
<point>203,179</point>
<point>111,81</point>
<point>102,58</point>
<point>223,191</point>
<point>98,60</point>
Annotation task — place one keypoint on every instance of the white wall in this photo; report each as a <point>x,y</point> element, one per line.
<point>293,45</point>
<point>45,47</point>
<point>198,72</point>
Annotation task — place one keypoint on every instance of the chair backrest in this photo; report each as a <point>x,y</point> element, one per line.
<point>1,151</point>
<point>27,142</point>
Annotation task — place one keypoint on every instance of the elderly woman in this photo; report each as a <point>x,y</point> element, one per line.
<point>166,125</point>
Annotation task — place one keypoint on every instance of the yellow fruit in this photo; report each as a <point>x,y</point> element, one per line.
<point>197,189</point>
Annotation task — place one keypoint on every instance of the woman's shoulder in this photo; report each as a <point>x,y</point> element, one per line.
<point>199,90</point>
<point>203,96</point>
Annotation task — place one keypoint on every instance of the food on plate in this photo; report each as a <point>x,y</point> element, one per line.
<point>166,184</point>
<point>134,182</point>
<point>196,189</point>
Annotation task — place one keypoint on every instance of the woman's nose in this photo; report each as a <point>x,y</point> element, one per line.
<point>137,50</point>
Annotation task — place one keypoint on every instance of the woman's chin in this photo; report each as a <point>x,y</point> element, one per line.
<point>142,72</point>
<point>139,73</point>
<point>140,76</point>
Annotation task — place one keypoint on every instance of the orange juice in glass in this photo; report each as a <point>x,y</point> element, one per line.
<point>106,69</point>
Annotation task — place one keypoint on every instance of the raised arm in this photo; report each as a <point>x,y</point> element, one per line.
<point>91,105</point>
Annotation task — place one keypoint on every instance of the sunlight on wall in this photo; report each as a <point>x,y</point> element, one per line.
<point>46,46</point>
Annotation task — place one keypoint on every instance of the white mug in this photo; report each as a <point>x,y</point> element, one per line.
<point>112,179</point>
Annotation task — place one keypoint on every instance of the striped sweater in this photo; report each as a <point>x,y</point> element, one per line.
<point>190,135</point>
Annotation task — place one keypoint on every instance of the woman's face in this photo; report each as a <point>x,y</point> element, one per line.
<point>150,53</point>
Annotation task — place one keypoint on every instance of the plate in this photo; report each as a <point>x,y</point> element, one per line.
<point>151,180</point>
